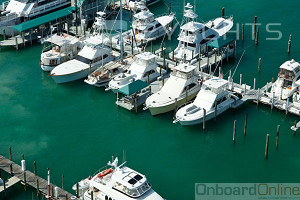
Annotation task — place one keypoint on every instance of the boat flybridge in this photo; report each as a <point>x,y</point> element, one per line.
<point>144,68</point>
<point>15,12</point>
<point>213,97</point>
<point>182,86</point>
<point>194,35</point>
<point>59,48</point>
<point>132,3</point>
<point>115,182</point>
<point>148,28</point>
<point>284,87</point>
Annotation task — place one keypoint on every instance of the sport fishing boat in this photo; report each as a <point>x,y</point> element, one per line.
<point>146,27</point>
<point>213,97</point>
<point>182,86</point>
<point>144,68</point>
<point>114,182</point>
<point>148,2</point>
<point>284,87</point>
<point>195,35</point>
<point>58,49</point>
<point>14,12</point>
<point>93,55</point>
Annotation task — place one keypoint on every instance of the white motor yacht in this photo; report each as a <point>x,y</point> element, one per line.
<point>194,35</point>
<point>213,97</point>
<point>92,56</point>
<point>148,28</point>
<point>284,87</point>
<point>182,86</point>
<point>58,49</point>
<point>115,182</point>
<point>15,12</point>
<point>144,68</point>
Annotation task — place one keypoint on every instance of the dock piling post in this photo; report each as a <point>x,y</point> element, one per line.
<point>258,94</point>
<point>215,114</point>
<point>234,51</point>
<point>245,88</point>
<point>34,164</point>
<point>48,183</point>
<point>92,195</point>
<point>173,55</point>
<point>4,188</point>
<point>254,27</point>
<point>77,190</point>
<point>259,64</point>
<point>227,53</point>
<point>117,98</point>
<point>295,127</point>
<point>254,83</point>
<point>273,98</point>
<point>241,79</point>
<point>135,104</point>
<point>23,39</point>
<point>223,12</point>
<point>4,36</point>
<point>215,58</point>
<point>184,58</point>
<point>245,125</point>
<point>256,38</point>
<point>63,182</point>
<point>287,106</point>
<point>289,44</point>
<point>25,184</point>
<point>37,188</point>
<point>56,192</point>
<point>243,32</point>
<point>10,156</point>
<point>234,131</point>
<point>267,147</point>
<point>16,41</point>
<point>277,136</point>
<point>148,78</point>
<point>132,45</point>
<point>204,115</point>
<point>30,36</point>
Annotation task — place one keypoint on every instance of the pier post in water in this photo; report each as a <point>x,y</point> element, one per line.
<point>223,12</point>
<point>23,38</point>
<point>277,136</point>
<point>243,33</point>
<point>4,188</point>
<point>289,44</point>
<point>10,156</point>
<point>77,190</point>
<point>257,34</point>
<point>48,183</point>
<point>37,188</point>
<point>254,27</point>
<point>25,184</point>
<point>241,76</point>
<point>254,81</point>
<point>245,125</point>
<point>295,127</point>
<point>16,41</point>
<point>267,146</point>
<point>4,36</point>
<point>204,115</point>
<point>259,64</point>
<point>175,106</point>
<point>63,182</point>
<point>234,50</point>
<point>34,164</point>
<point>234,131</point>
<point>92,195</point>
<point>215,114</point>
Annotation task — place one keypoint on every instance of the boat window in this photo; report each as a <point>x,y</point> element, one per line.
<point>297,69</point>
<point>192,45</point>
<point>157,25</point>
<point>286,74</point>
<point>287,83</point>
<point>83,59</point>
<point>221,100</point>
<point>99,58</point>
<point>138,177</point>
<point>207,39</point>
<point>150,29</point>
<point>205,28</point>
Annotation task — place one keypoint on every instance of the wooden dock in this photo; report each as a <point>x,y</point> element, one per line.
<point>28,178</point>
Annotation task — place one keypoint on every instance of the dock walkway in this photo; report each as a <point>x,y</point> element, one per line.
<point>31,180</point>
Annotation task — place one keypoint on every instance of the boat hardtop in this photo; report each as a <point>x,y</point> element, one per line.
<point>62,39</point>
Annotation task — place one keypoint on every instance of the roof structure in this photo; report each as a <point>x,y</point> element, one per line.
<point>221,42</point>
<point>133,87</point>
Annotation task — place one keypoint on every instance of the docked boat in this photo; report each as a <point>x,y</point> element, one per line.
<point>182,86</point>
<point>284,87</point>
<point>214,97</point>
<point>144,68</point>
<point>14,12</point>
<point>103,75</point>
<point>147,28</point>
<point>148,2</point>
<point>195,35</point>
<point>114,182</point>
<point>58,49</point>
<point>93,55</point>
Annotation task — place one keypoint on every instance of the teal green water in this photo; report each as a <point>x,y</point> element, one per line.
<point>74,128</point>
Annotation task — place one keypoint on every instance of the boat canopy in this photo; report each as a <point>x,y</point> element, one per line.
<point>221,42</point>
<point>133,87</point>
<point>43,19</point>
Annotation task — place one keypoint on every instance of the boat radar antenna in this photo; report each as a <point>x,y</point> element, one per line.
<point>189,13</point>
<point>114,163</point>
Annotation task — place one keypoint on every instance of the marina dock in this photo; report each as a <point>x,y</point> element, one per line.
<point>28,178</point>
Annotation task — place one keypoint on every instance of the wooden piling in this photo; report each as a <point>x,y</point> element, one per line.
<point>30,36</point>
<point>295,127</point>
<point>215,114</point>
<point>173,55</point>
<point>23,158</point>
<point>277,136</point>
<point>204,115</point>
<point>234,131</point>
<point>4,188</point>
<point>223,12</point>
<point>267,147</point>
<point>16,41</point>
<point>34,165</point>
<point>245,125</point>
<point>259,64</point>
<point>63,182</point>
<point>77,190</point>
<point>37,188</point>
<point>11,170</point>
<point>10,156</point>
<point>257,34</point>
<point>23,39</point>
<point>289,44</point>
<point>25,183</point>
<point>4,36</point>
<point>254,27</point>
<point>234,51</point>
<point>175,106</point>
<point>243,32</point>
<point>132,45</point>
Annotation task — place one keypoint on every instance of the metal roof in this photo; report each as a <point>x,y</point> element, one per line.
<point>43,19</point>
<point>133,87</point>
<point>221,42</point>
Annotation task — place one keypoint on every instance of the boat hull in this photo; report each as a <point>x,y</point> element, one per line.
<point>169,107</point>
<point>47,68</point>
<point>72,77</point>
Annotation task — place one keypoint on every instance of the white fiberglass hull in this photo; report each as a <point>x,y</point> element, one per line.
<point>73,77</point>
<point>47,68</point>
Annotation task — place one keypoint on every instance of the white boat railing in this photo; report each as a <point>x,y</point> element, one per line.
<point>45,7</point>
<point>8,17</point>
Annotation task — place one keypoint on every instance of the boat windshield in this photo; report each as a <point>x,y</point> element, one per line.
<point>83,59</point>
<point>133,192</point>
<point>286,74</point>
<point>180,74</point>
